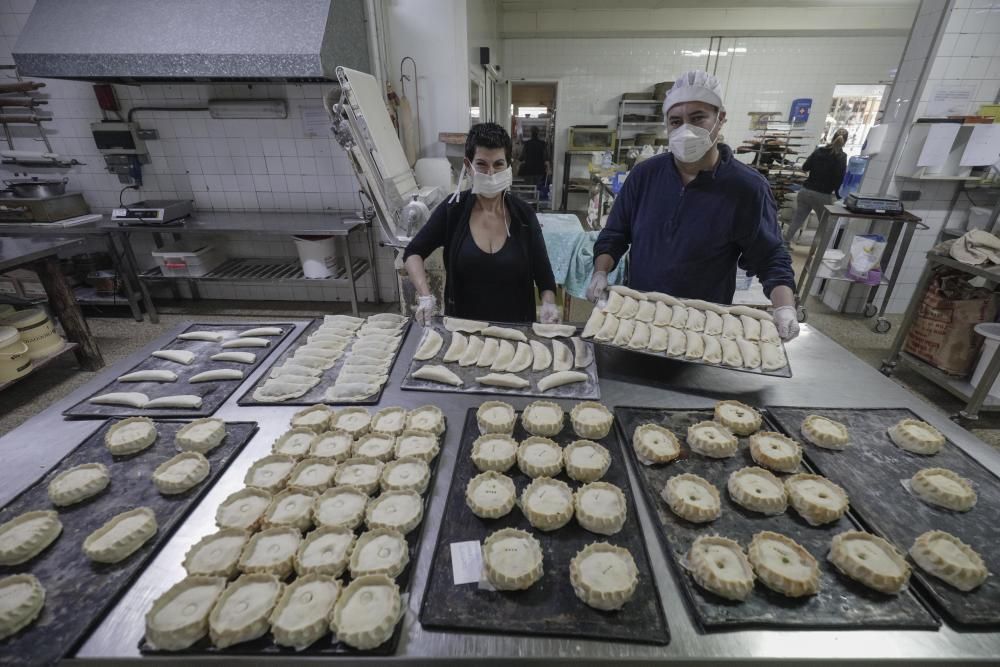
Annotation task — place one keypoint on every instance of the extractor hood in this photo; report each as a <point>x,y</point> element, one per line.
<point>146,41</point>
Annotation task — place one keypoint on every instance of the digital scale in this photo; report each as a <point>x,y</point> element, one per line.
<point>153,212</point>
<point>881,204</point>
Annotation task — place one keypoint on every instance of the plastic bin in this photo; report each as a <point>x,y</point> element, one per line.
<point>184,263</point>
<point>990,331</point>
<point>318,255</point>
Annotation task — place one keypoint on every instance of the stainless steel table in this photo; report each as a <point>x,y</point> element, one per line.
<point>826,375</point>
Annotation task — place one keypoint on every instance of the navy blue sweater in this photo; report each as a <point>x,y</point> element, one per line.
<point>686,241</point>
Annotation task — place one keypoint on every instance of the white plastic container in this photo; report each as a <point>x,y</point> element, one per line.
<point>318,255</point>
<point>990,332</point>
<point>979,218</point>
<point>184,263</point>
<point>36,332</point>
<point>14,359</point>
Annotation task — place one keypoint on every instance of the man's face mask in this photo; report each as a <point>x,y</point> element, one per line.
<point>690,143</point>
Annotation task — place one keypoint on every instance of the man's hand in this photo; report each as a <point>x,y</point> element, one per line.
<point>426,309</point>
<point>787,322</point>
<point>598,288</point>
<point>549,313</point>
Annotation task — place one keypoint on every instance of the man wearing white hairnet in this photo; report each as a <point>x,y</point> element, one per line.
<point>690,216</point>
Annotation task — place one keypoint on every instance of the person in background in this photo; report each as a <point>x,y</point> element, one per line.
<point>690,216</point>
<point>826,167</point>
<point>494,253</point>
<point>534,160</point>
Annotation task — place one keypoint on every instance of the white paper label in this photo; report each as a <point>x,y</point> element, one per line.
<point>466,562</point>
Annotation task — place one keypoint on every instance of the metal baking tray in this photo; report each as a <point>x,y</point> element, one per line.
<point>841,603</point>
<point>213,394</point>
<point>315,395</point>
<point>549,607</point>
<point>587,390</point>
<point>79,591</point>
<point>872,470</point>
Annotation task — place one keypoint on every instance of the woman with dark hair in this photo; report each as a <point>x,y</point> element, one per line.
<point>494,254</point>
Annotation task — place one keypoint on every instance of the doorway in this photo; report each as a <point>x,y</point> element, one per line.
<point>854,107</point>
<point>533,117</point>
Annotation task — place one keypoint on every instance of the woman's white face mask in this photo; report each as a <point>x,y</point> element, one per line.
<point>690,143</point>
<point>491,185</point>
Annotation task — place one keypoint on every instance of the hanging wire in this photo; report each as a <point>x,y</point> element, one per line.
<point>416,85</point>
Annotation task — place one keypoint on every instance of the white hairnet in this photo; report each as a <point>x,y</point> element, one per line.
<point>694,86</point>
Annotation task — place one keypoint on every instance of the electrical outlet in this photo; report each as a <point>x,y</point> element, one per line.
<point>148,135</point>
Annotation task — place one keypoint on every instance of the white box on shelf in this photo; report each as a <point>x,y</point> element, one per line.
<point>180,262</point>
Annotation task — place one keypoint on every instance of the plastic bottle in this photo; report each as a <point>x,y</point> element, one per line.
<point>855,173</point>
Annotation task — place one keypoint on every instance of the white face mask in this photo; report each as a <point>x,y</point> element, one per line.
<point>689,143</point>
<point>490,185</point>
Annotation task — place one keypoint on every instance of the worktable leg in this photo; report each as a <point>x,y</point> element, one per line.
<point>345,251</point>
<point>127,277</point>
<point>882,325</point>
<point>133,265</point>
<point>377,296</point>
<point>65,307</point>
<point>820,242</point>
<point>889,363</point>
<point>980,391</point>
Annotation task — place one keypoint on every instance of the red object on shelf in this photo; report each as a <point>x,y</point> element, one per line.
<point>106,97</point>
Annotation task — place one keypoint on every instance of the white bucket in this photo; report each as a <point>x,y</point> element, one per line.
<point>318,255</point>
<point>433,171</point>
<point>991,341</point>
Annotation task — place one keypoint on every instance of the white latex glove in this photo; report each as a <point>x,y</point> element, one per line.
<point>598,288</point>
<point>425,310</point>
<point>549,313</point>
<point>786,320</point>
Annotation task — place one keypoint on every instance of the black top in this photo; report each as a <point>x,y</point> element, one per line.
<point>826,169</point>
<point>448,227</point>
<point>478,272</point>
<point>533,158</point>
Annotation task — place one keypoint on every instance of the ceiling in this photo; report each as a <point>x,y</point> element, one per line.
<point>542,5</point>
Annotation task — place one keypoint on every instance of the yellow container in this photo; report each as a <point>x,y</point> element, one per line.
<point>14,359</point>
<point>36,332</point>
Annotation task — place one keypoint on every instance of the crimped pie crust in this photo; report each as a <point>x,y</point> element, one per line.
<point>405,474</point>
<point>870,560</point>
<point>817,499</point>
<point>692,498</point>
<point>122,535</point>
<point>27,535</point>
<point>201,435</point>
<point>216,555</point>
<point>78,483</point>
<point>586,461</point>
<point>130,436</point>
<point>292,508</point>
<point>775,451</point>
<point>270,472</point>
<point>361,472</point>
<point>538,456</point>
<point>712,439</point>
<point>543,418</point>
<point>600,508</point>
<point>591,420</point>
<point>271,551</point>
<point>512,559</point>
<point>950,559</point>
<point>738,417</point>
<point>366,612</point>
<point>243,509</point>
<point>496,417</point>
<point>379,446</point>
<point>356,421</point>
<point>783,565</point>
<point>917,437</point>
<point>242,612</point>
<point>719,565</point>
<point>325,550</point>
<point>295,442</point>
<point>316,418</point>
<point>427,418</point>
<point>490,495</point>
<point>181,473</point>
<point>758,490</point>
<point>179,617</point>
<point>302,614</point>
<point>314,474</point>
<point>547,503</point>
<point>342,506</point>
<point>333,444</point>
<point>420,444</point>
<point>389,420</point>
<point>494,451</point>
<point>604,576</point>
<point>825,432</point>
<point>655,444</point>
<point>944,488</point>
<point>398,510</point>
<point>379,551</point>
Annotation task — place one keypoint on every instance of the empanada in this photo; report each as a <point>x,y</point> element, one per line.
<point>731,327</point>
<point>676,342</point>
<point>679,318</point>
<point>696,320</point>
<point>562,358</point>
<point>751,328</point>
<point>542,356</point>
<point>750,352</point>
<point>640,336</point>
<point>456,348</point>
<point>731,353</point>
<point>657,339</point>
<point>624,333</point>
<point>695,347</point>
<point>713,349</point>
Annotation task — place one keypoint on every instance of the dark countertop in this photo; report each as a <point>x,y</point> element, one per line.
<point>332,223</point>
<point>16,251</point>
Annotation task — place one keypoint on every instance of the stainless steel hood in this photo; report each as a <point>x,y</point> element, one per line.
<point>146,41</point>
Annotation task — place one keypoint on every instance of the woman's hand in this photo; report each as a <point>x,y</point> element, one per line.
<point>425,309</point>
<point>549,313</point>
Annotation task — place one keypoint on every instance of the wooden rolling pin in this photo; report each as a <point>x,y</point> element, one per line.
<point>21,87</point>
<point>26,102</point>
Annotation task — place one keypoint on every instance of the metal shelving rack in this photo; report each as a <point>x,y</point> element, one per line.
<point>635,126</point>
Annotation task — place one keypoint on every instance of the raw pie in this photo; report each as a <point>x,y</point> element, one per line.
<point>405,474</point>
<point>355,421</point>
<point>917,437</point>
<point>243,509</point>
<point>181,473</point>
<point>398,510</point>
<point>201,435</point>
<point>21,600</point>
<point>389,420</point>
<point>25,536</point>
<point>692,498</point>
<point>586,461</point>
<point>428,419</point>
<point>591,420</point>
<point>783,565</point>
<point>825,432</point>
<point>600,508</point>
<point>496,417</point>
<point>712,439</point>
<point>271,551</point>
<point>301,616</point>
<point>241,614</point>
<point>334,445</point>
<point>313,474</point>
<point>295,442</point>
<point>117,539</point>
<point>757,490</point>
<point>719,565</point>
<point>130,436</point>
<point>738,417</point>
<point>315,418</point>
<point>945,488</point>
<point>375,445</point>
<point>179,617</point>
<point>78,483</point>
<point>547,503</point>
<point>816,499</point>
<point>655,444</point>
<point>380,551</point>
<point>539,457</point>
<point>542,418</point>
<point>603,576</point>
<point>417,443</point>
<point>360,472</point>
<point>494,451</point>
<point>775,451</point>
<point>341,506</point>
<point>490,495</point>
<point>870,560</point>
<point>270,473</point>
<point>367,611</point>
<point>949,559</point>
<point>291,508</point>
<point>325,550</point>
<point>512,559</point>
<point>218,554</point>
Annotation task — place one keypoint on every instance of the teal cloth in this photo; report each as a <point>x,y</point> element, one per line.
<point>571,253</point>
<point>581,267</point>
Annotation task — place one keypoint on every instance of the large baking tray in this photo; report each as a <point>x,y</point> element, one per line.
<point>213,394</point>
<point>873,470</point>
<point>550,607</point>
<point>78,591</point>
<point>588,390</point>
<point>315,395</point>
<point>841,603</point>
<point>326,646</point>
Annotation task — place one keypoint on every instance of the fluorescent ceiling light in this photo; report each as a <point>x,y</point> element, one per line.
<point>248,108</point>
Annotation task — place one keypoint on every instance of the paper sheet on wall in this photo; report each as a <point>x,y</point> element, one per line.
<point>937,146</point>
<point>315,121</point>
<point>951,99</point>
<point>983,147</point>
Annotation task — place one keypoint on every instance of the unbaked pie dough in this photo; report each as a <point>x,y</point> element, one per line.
<point>591,420</point>
<point>217,555</point>
<point>816,498</point>
<point>21,600</point>
<point>542,418</point>
<point>130,436</point>
<point>78,483</point>
<point>340,507</point>
<point>496,417</point>
<point>586,461</point>
<point>712,439</point>
<point>270,473</point>
<point>181,473</point>
<point>547,503</point>
<point>355,421</point>
<point>380,551</point>
<point>398,510</point>
<point>692,498</point>
<point>950,559</point>
<point>418,444</point>
<point>783,565</point>
<point>179,617</point>
<point>945,488</point>
<point>302,614</point>
<point>539,457</point>
<point>603,576</point>
<point>367,612</point>
<point>123,534</point>
<point>719,565</point>
<point>490,495</point>
<point>379,446</point>
<point>325,550</point>
<point>389,420</point>
<point>917,437</point>
<point>271,551</point>
<point>243,509</point>
<point>428,419</point>
<point>291,508</point>
<point>870,560</point>
<point>494,451</point>
<point>334,445</point>
<point>315,418</point>
<point>406,474</point>
<point>758,490</point>
<point>825,432</point>
<point>201,435</point>
<point>360,472</point>
<point>775,451</point>
<point>313,474</point>
<point>738,417</point>
<point>25,536</point>
<point>295,442</point>
<point>512,559</point>
<point>600,508</point>
<point>655,444</point>
<point>241,614</point>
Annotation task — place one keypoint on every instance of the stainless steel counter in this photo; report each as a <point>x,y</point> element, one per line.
<point>826,375</point>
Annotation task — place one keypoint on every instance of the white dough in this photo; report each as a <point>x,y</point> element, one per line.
<point>217,375</point>
<point>561,378</point>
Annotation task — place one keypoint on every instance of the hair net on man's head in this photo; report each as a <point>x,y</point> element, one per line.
<point>694,86</point>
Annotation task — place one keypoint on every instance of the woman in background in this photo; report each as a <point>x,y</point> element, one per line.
<point>826,167</point>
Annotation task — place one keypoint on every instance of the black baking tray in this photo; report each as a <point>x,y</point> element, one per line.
<point>549,607</point>
<point>588,390</point>
<point>315,395</point>
<point>78,591</point>
<point>213,394</point>
<point>872,470</point>
<point>841,603</point>
<point>326,646</point>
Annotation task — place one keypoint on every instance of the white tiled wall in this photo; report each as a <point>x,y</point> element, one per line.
<point>223,165</point>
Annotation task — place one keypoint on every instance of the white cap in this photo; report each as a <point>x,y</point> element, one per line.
<point>694,86</point>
